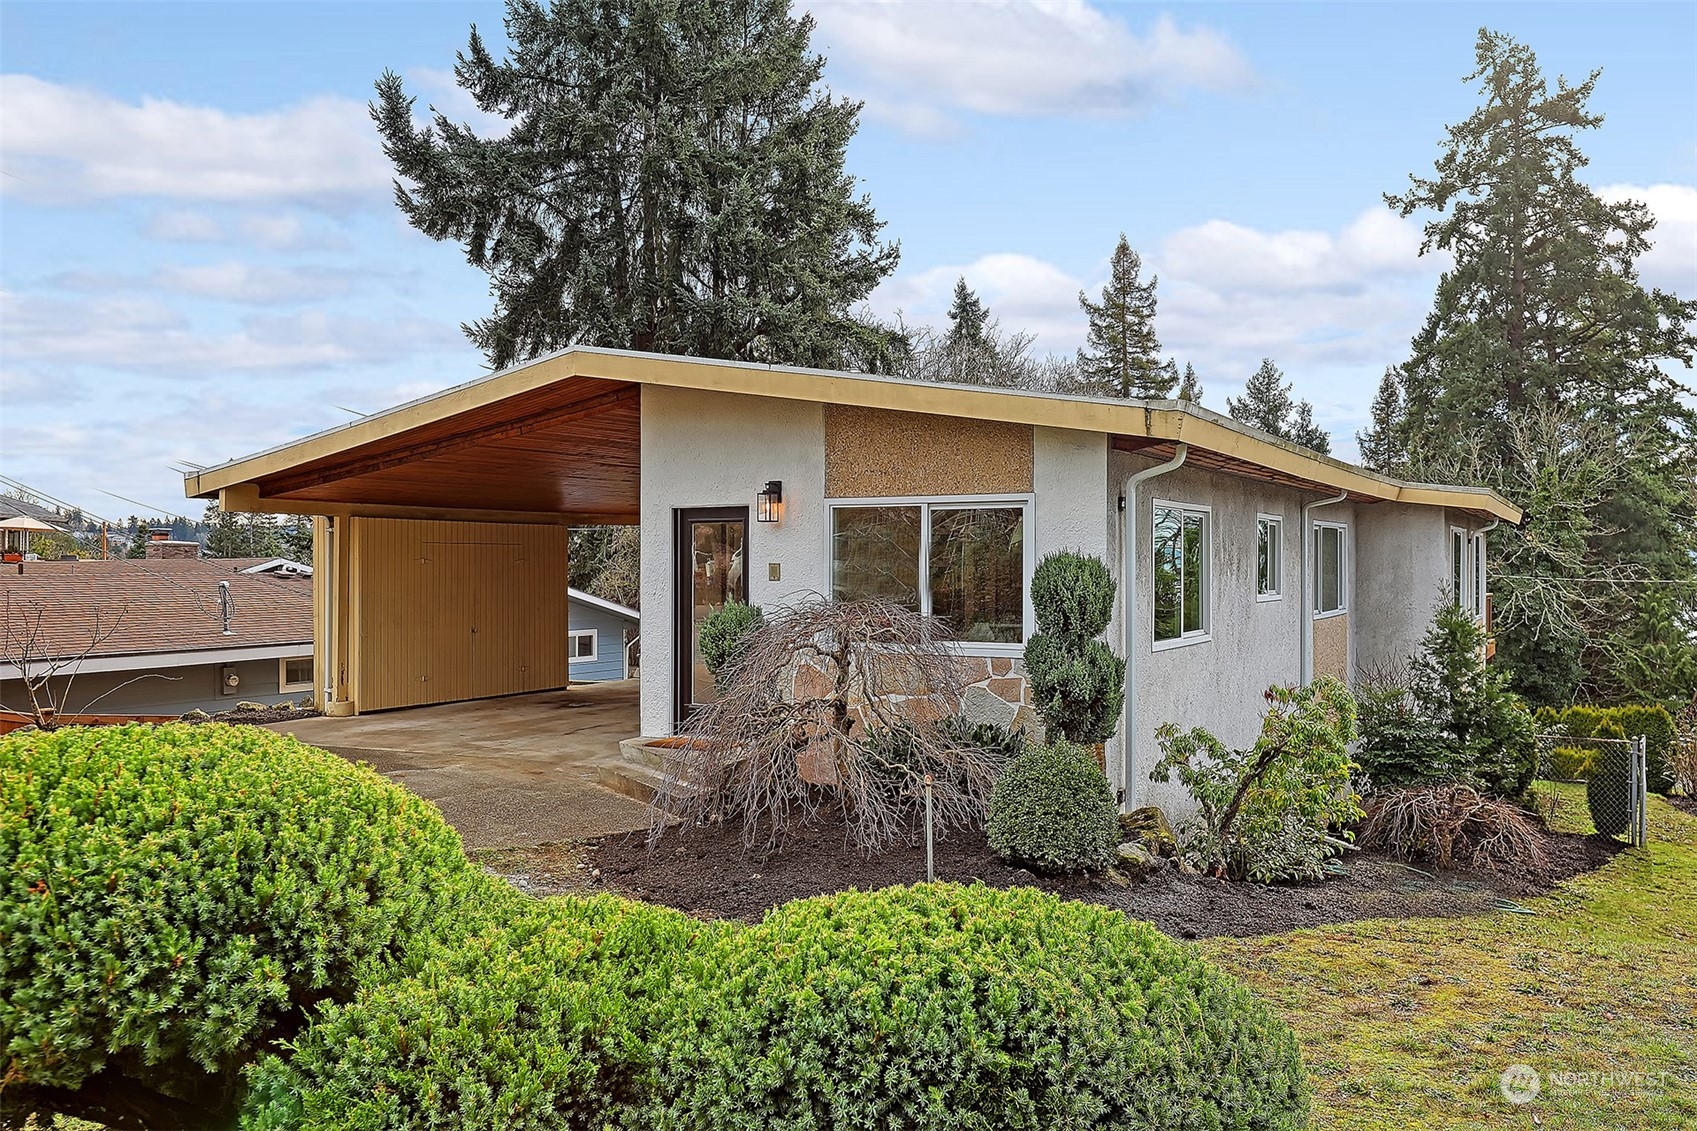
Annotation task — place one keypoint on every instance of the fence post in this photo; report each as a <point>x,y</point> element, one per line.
<point>930,864</point>
<point>1643,828</point>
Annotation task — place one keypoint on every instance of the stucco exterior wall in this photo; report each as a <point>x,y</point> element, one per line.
<point>1401,575</point>
<point>1217,683</point>
<point>709,449</point>
<point>165,691</point>
<point>705,449</point>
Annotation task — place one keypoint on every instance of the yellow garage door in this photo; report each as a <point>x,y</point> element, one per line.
<point>455,610</point>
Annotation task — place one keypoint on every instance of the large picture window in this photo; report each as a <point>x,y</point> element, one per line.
<point>1269,557</point>
<point>1330,583</point>
<point>961,562</point>
<point>1181,572</point>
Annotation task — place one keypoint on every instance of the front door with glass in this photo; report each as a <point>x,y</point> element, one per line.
<point>710,549</point>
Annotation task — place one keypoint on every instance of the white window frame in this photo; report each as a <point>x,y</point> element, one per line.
<point>1205,634</point>
<point>283,683</point>
<point>1277,541</point>
<point>926,503</point>
<point>576,634</point>
<point>1343,572</point>
<point>1477,581</point>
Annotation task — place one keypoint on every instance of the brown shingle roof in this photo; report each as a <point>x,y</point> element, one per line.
<point>138,607</point>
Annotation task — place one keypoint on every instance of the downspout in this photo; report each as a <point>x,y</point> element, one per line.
<point>1305,665</point>
<point>1128,605</point>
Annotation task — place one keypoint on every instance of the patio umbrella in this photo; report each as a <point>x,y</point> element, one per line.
<point>25,526</point>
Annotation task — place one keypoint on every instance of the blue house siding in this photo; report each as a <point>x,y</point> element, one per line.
<point>611,632</point>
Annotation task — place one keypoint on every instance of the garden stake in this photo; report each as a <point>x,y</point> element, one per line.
<point>930,866</point>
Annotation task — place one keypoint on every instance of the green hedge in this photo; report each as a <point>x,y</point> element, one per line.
<point>544,1020</point>
<point>950,1007</point>
<point>174,897</point>
<point>1653,722</point>
<point>1052,809</point>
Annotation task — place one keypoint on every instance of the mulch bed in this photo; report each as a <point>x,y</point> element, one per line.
<point>254,717</point>
<point>707,873</point>
<point>1683,804</point>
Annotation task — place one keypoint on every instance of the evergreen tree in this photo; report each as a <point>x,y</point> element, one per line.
<point>1266,402</point>
<point>1381,443</point>
<point>968,346</point>
<point>1542,311</point>
<point>672,180</point>
<point>138,538</point>
<point>1304,431</point>
<point>1190,387</point>
<point>1123,358</point>
<point>237,535</point>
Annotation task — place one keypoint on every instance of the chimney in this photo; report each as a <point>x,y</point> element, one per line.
<point>159,534</point>
<point>166,548</point>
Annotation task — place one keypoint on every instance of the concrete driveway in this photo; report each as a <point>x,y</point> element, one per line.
<point>509,772</point>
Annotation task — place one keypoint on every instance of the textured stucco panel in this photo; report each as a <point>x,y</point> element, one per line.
<point>873,452</point>
<point>1401,577</point>
<point>1331,647</point>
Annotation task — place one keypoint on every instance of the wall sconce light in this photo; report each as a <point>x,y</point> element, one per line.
<point>771,501</point>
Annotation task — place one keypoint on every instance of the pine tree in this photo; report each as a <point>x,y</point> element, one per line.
<point>968,355</point>
<point>237,535</point>
<point>1267,404</point>
<point>1190,387</point>
<point>1381,443</point>
<point>1123,358</point>
<point>672,180</point>
<point>1304,431</point>
<point>1542,314</point>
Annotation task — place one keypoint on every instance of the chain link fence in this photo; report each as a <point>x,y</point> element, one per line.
<point>1614,772</point>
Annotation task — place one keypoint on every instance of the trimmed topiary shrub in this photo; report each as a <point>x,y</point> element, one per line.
<point>1077,683</point>
<point>725,634</point>
<point>541,1021</point>
<point>1608,791</point>
<point>1052,810</point>
<point>950,1007</point>
<point>1653,722</point>
<point>174,898</point>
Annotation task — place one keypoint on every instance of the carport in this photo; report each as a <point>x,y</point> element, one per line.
<point>440,532</point>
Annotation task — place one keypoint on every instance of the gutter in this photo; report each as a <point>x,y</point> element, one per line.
<point>1128,604</point>
<point>1305,666</point>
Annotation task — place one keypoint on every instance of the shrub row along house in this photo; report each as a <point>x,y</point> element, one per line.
<point>1242,560</point>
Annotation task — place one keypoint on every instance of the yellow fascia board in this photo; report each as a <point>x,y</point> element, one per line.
<point>1160,420</point>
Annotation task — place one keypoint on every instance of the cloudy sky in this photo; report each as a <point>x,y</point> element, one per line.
<point>199,255</point>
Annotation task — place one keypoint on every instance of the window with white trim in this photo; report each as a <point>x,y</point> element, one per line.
<point>1182,537</point>
<point>1269,557</point>
<point>1458,566</point>
<point>585,645</point>
<point>294,673</point>
<point>962,562</point>
<point>1331,579</point>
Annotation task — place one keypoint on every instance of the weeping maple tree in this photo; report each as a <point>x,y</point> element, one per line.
<point>671,178</point>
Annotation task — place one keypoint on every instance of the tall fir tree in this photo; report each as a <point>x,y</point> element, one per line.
<point>1381,442</point>
<point>1542,314</point>
<point>671,179</point>
<point>1267,404</point>
<point>1122,357</point>
<point>968,355</point>
<point>1190,385</point>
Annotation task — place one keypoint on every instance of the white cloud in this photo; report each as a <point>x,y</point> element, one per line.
<point>1671,262</point>
<point>1023,292</point>
<point>63,144</point>
<point>229,281</point>
<point>141,334</point>
<point>917,64</point>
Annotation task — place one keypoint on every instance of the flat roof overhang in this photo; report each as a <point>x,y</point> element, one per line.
<point>558,439</point>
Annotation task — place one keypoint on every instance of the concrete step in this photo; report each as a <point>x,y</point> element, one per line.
<point>633,779</point>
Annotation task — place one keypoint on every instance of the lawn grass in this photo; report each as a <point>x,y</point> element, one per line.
<point>1409,1023</point>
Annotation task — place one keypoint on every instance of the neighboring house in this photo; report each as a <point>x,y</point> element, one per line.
<point>149,636</point>
<point>600,633</point>
<point>1243,560</point>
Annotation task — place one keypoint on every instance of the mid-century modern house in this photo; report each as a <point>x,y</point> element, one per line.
<point>155,637</point>
<point>599,636</point>
<point>1242,560</point>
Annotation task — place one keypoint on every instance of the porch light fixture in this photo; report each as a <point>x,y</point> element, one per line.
<point>771,501</point>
